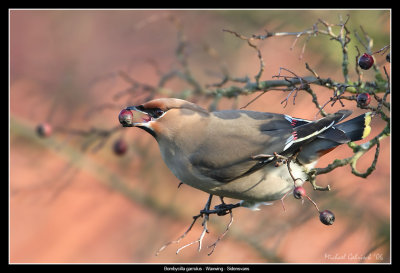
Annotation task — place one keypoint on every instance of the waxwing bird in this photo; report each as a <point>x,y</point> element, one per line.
<point>219,152</point>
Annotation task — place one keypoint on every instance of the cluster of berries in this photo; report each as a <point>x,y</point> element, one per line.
<point>326,216</point>
<point>365,62</point>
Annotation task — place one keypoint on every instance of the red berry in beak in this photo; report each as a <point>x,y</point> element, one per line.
<point>365,61</point>
<point>327,217</point>
<point>44,129</point>
<point>363,99</point>
<point>125,117</point>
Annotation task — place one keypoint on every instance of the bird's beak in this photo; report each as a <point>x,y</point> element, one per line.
<point>138,124</point>
<point>146,121</point>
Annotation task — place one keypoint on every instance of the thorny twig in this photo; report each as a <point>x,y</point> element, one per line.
<point>214,245</point>
<point>251,44</point>
<point>303,84</point>
<point>220,210</point>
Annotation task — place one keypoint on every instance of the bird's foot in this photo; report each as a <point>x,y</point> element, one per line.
<point>221,210</point>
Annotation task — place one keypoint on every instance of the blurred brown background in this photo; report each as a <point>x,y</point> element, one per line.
<point>73,202</point>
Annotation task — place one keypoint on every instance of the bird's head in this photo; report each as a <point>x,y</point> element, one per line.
<point>166,115</point>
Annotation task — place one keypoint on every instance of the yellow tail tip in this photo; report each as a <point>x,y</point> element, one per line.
<point>367,127</point>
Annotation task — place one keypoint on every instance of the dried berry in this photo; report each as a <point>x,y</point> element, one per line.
<point>363,99</point>
<point>299,192</point>
<point>327,217</point>
<point>120,147</point>
<point>125,117</point>
<point>44,129</point>
<point>366,61</point>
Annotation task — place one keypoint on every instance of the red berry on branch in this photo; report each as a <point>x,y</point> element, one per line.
<point>299,192</point>
<point>366,61</point>
<point>125,117</point>
<point>327,217</point>
<point>120,147</point>
<point>363,99</point>
<point>44,129</point>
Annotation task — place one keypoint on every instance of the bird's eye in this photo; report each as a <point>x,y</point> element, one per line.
<point>140,107</point>
<point>156,113</point>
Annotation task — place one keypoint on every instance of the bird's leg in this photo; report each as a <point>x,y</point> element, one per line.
<point>223,208</point>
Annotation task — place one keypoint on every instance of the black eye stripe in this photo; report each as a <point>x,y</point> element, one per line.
<point>155,112</point>
<point>140,108</point>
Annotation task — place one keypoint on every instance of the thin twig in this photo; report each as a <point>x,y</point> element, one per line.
<point>214,245</point>
<point>220,210</point>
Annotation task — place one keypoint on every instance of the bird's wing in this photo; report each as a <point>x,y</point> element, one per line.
<point>234,137</point>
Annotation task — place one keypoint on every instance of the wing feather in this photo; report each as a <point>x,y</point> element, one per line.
<point>235,137</point>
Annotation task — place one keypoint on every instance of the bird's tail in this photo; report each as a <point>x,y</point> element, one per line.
<point>355,129</point>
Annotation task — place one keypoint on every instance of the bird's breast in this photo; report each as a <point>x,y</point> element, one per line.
<point>179,164</point>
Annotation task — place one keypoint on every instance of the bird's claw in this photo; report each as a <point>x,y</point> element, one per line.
<point>224,209</point>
